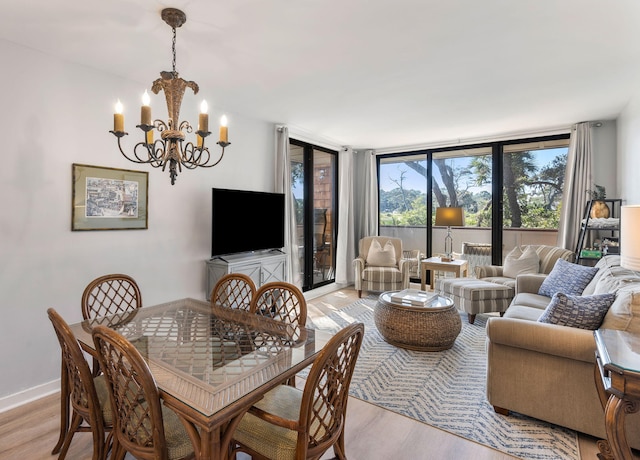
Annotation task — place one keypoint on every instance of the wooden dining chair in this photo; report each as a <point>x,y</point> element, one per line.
<point>233,290</point>
<point>88,395</point>
<point>289,423</point>
<point>143,426</point>
<point>283,302</point>
<point>108,295</point>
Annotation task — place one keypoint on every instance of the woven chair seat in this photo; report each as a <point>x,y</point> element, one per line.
<point>103,397</point>
<point>178,443</point>
<point>255,433</point>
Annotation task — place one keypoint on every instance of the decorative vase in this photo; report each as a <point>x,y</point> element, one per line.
<point>599,210</point>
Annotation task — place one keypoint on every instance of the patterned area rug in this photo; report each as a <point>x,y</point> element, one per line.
<point>445,389</point>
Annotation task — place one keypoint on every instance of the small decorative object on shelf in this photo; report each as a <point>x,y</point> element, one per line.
<point>599,209</point>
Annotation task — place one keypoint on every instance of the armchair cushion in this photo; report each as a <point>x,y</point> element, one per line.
<point>382,256</point>
<point>519,262</point>
<point>583,312</point>
<point>568,278</point>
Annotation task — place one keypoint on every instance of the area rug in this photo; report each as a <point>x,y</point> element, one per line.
<point>444,389</point>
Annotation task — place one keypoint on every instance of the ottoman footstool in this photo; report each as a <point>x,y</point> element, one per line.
<point>476,296</point>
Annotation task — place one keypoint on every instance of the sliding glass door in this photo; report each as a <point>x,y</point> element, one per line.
<point>314,178</point>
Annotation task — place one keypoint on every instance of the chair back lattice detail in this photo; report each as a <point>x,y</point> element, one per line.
<point>110,294</point>
<point>138,415</point>
<point>234,290</point>
<point>325,396</point>
<point>87,405</point>
<point>281,301</point>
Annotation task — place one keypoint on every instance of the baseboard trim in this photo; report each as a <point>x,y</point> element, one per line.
<point>23,397</point>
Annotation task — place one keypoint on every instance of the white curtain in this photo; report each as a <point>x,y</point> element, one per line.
<point>283,185</point>
<point>345,246</point>
<point>577,181</point>
<point>365,195</point>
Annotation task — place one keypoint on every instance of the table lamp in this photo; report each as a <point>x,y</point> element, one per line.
<point>629,240</point>
<point>449,217</point>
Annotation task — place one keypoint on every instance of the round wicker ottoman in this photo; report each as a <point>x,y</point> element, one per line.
<point>433,327</point>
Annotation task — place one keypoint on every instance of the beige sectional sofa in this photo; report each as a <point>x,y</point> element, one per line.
<point>546,371</point>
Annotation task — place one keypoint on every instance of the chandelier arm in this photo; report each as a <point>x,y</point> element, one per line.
<point>193,155</point>
<point>221,155</point>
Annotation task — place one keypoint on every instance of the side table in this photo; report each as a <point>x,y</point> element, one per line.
<point>618,383</point>
<point>458,266</point>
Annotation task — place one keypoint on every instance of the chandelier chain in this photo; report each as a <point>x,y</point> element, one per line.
<point>173,50</point>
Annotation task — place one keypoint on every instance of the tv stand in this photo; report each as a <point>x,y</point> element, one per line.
<point>261,267</point>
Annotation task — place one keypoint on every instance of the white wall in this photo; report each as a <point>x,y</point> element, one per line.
<point>54,114</point>
<point>629,152</point>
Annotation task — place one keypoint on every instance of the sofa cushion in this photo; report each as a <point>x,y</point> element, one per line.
<point>531,300</point>
<point>568,278</point>
<point>605,262</point>
<point>509,282</point>
<point>381,256</point>
<point>624,314</point>
<point>520,262</point>
<point>583,312</point>
<point>523,312</point>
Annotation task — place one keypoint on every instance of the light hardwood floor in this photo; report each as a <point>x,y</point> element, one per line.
<point>372,433</point>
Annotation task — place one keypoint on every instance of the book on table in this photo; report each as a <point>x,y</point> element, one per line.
<point>413,297</point>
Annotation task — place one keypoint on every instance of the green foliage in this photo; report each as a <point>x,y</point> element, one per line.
<point>532,195</point>
<point>599,193</point>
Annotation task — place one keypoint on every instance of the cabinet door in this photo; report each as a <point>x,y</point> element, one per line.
<point>273,270</point>
<point>252,270</point>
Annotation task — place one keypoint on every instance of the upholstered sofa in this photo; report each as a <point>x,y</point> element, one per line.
<point>547,371</point>
<point>548,256</point>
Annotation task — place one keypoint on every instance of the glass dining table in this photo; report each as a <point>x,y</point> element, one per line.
<point>211,364</point>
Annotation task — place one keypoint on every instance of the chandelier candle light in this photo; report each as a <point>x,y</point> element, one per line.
<point>449,217</point>
<point>169,149</point>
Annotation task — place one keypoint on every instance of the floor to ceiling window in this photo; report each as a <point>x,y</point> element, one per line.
<point>314,178</point>
<point>524,177</point>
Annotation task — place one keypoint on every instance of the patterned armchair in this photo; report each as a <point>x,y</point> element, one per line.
<point>476,254</point>
<point>380,265</point>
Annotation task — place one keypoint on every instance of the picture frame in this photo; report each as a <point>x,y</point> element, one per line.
<point>109,198</point>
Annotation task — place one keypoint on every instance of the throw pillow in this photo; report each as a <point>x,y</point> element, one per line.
<point>567,277</point>
<point>382,257</point>
<point>520,263</point>
<point>583,312</point>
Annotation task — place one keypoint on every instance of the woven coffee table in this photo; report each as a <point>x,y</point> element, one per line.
<point>433,327</point>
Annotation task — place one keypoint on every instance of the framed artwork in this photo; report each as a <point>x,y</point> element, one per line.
<point>108,198</point>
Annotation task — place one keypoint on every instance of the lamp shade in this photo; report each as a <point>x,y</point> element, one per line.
<point>449,217</point>
<point>629,240</point>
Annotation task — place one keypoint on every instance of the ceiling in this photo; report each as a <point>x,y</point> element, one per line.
<point>364,73</point>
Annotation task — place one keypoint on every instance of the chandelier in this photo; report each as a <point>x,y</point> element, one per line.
<point>170,149</point>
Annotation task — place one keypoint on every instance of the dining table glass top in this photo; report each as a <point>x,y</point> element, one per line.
<point>210,357</point>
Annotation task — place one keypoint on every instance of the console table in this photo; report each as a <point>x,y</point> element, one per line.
<point>618,383</point>
<point>262,267</point>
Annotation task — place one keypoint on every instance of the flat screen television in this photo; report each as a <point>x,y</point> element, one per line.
<point>245,221</point>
